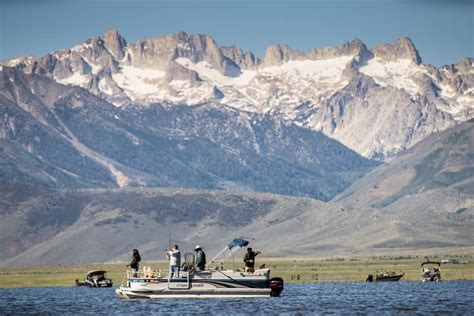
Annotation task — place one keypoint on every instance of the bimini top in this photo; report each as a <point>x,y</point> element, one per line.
<point>238,242</point>
<point>431,262</point>
<point>231,248</point>
<point>96,272</point>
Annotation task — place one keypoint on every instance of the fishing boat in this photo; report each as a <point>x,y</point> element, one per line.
<point>430,271</point>
<point>213,282</point>
<point>95,278</point>
<point>385,277</point>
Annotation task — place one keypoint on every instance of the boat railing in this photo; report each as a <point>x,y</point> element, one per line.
<point>178,283</point>
<point>145,273</point>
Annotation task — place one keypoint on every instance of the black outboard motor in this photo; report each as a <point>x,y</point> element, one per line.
<point>276,284</point>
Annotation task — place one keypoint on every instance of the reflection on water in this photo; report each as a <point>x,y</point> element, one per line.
<point>453,297</point>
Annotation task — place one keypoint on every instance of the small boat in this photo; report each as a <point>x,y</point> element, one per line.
<point>95,278</point>
<point>430,271</point>
<point>214,282</point>
<point>385,277</point>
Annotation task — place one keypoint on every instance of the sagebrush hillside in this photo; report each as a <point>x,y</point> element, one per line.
<point>443,163</point>
<point>42,226</point>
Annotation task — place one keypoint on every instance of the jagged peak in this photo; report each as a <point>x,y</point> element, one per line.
<point>276,54</point>
<point>402,48</point>
<point>111,32</point>
<point>180,36</point>
<point>243,59</point>
<point>114,43</point>
<point>464,66</point>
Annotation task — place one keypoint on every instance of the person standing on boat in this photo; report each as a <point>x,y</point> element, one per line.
<point>200,258</point>
<point>174,256</point>
<point>249,260</point>
<point>134,265</point>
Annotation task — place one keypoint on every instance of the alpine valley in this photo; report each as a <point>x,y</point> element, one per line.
<point>336,150</point>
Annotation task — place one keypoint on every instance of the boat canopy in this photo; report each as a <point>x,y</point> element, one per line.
<point>231,248</point>
<point>96,272</point>
<point>431,262</point>
<point>238,242</point>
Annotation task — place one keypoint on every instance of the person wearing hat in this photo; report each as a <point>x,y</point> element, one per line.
<point>200,258</point>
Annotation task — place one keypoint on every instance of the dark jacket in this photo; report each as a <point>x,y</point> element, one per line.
<point>249,259</point>
<point>135,262</point>
<point>201,259</point>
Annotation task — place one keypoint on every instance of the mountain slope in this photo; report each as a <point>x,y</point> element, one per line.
<point>33,144</point>
<point>50,227</point>
<point>442,163</point>
<point>336,90</point>
<point>79,140</point>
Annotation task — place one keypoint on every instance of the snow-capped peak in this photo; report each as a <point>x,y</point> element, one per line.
<point>322,89</point>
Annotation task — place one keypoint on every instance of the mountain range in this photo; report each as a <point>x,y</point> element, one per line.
<point>336,150</point>
<point>66,137</point>
<point>377,101</point>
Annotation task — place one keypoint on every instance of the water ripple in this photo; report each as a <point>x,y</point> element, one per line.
<point>297,299</point>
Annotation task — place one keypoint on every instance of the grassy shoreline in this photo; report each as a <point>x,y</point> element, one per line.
<point>291,269</point>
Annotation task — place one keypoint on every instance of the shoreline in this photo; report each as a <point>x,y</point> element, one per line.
<point>292,270</point>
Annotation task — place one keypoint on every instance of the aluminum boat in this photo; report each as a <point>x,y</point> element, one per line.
<point>385,277</point>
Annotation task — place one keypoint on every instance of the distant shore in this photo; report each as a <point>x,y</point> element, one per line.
<point>350,269</point>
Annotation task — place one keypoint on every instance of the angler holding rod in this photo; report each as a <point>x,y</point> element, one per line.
<point>249,259</point>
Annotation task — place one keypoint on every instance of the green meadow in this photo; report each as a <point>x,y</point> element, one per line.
<point>292,270</point>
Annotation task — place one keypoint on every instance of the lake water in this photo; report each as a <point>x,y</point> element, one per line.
<point>449,297</point>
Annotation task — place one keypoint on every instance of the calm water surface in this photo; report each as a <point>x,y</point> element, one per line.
<point>454,297</point>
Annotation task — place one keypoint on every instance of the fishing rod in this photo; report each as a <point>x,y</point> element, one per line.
<point>169,239</point>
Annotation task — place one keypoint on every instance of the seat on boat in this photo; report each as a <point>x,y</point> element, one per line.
<point>189,263</point>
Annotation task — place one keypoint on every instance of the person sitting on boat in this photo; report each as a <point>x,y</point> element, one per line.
<point>174,256</point>
<point>134,265</point>
<point>200,258</point>
<point>249,260</point>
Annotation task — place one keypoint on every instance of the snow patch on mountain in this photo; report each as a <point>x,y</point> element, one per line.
<point>326,70</point>
<point>207,72</point>
<point>76,79</point>
<point>137,82</point>
<point>399,74</point>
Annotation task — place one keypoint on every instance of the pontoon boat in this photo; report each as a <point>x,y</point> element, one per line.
<point>212,282</point>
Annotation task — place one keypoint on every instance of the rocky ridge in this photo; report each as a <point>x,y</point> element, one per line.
<point>351,93</point>
<point>66,137</point>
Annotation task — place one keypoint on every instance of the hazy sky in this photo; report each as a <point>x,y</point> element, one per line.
<point>441,30</point>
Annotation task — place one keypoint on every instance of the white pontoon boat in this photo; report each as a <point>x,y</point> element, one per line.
<point>213,282</point>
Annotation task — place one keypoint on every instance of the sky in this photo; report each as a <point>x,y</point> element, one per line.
<point>442,31</point>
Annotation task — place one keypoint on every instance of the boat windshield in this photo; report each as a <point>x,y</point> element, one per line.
<point>96,275</point>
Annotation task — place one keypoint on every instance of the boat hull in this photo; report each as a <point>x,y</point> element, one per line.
<point>92,284</point>
<point>128,293</point>
<point>391,278</point>
<point>205,284</point>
